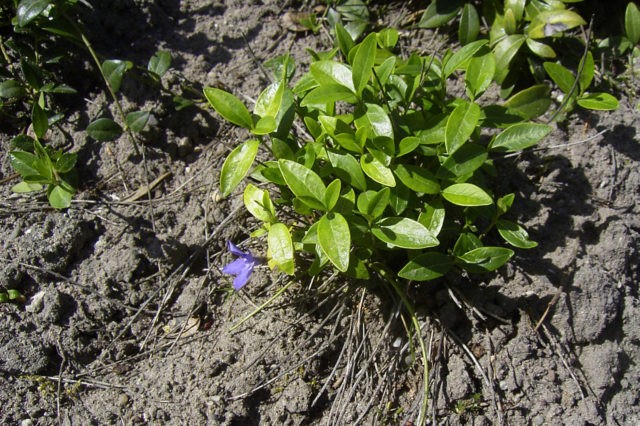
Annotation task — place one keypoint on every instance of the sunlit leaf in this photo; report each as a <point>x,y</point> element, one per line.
<point>469,24</point>
<point>427,266</point>
<point>531,102</point>
<point>520,136</point>
<point>334,239</point>
<point>377,171</point>
<point>137,120</point>
<point>486,259</point>
<point>281,247</point>
<point>466,194</point>
<point>304,183</point>
<point>237,165</point>
<point>598,102</point>
<point>514,234</point>
<point>28,10</point>
<point>159,63</point>
<point>632,23</point>
<point>229,107</point>
<point>259,204</point>
<point>363,63</point>
<point>461,124</point>
<point>404,232</point>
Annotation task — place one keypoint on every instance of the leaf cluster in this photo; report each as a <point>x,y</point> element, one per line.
<point>374,163</point>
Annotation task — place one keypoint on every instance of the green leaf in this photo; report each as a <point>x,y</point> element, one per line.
<point>270,100</point>
<point>416,178</point>
<point>480,72</point>
<point>486,259</point>
<point>560,75</point>
<point>39,120</point>
<point>632,23</point>
<point>466,194</point>
<point>281,247</point>
<point>427,266</point>
<point>264,126</point>
<point>504,203</point>
<point>159,63</point>
<point>59,197</point>
<point>598,102</point>
<point>347,168</point>
<point>332,195</point>
<point>114,70</point>
<point>514,234</point>
<point>25,187</point>
<point>66,162</point>
<point>11,89</point>
<point>588,71</point>
<point>460,125</point>
<point>332,72</point>
<point>376,170</point>
<point>328,95</point>
<point>137,120</point>
<point>469,24</point>
<point>505,51</point>
<point>519,136</point>
<point>530,103</point>
<point>31,73</point>
<point>104,129</point>
<point>258,203</point>
<point>23,163</point>
<point>438,13</point>
<point>403,232</point>
<point>378,120</point>
<point>388,37</point>
<point>237,165</point>
<point>464,161</point>
<point>461,57</point>
<point>28,10</point>
<point>433,216</point>
<point>541,49</point>
<point>373,203</point>
<point>550,22</point>
<point>229,107</point>
<point>304,183</point>
<point>334,239</point>
<point>363,62</point>
<point>344,40</point>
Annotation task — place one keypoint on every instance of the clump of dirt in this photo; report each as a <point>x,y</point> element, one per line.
<point>128,318</point>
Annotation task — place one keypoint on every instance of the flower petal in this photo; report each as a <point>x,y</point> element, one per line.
<point>242,278</point>
<point>234,249</point>
<point>237,266</point>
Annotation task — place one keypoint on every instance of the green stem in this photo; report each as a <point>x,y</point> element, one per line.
<point>387,275</point>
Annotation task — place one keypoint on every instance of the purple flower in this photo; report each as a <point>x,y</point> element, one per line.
<point>241,267</point>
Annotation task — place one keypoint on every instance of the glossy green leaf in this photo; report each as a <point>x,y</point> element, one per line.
<point>373,203</point>
<point>550,22</point>
<point>363,62</point>
<point>519,136</point>
<point>469,24</point>
<point>332,194</point>
<point>237,165</point>
<point>258,202</point>
<point>328,95</point>
<point>466,194</point>
<point>26,187</point>
<point>11,89</point>
<point>433,216</point>
<point>344,40</point>
<point>438,13</point>
<point>505,51</point>
<point>418,179</point>
<point>281,247</point>
<point>388,37</point>
<point>516,7</point>
<point>464,161</point>
<point>334,239</point>
<point>460,125</point>
<point>304,183</point>
<point>59,197</point>
<point>159,63</point>
<point>462,56</point>
<point>137,120</point>
<point>487,258</point>
<point>427,266</point>
<point>269,102</point>
<point>264,126</point>
<point>399,198</point>
<point>229,107</point>
<point>504,203</point>
<point>542,50</point>
<point>332,72</point>
<point>560,75</point>
<point>403,232</point>
<point>588,71</point>
<point>347,168</point>
<point>40,120</point>
<point>598,102</point>
<point>377,171</point>
<point>377,119</point>
<point>104,129</point>
<point>66,162</point>
<point>23,163</point>
<point>479,74</point>
<point>531,102</point>
<point>632,23</point>
<point>28,10</point>
<point>114,70</point>
<point>514,234</point>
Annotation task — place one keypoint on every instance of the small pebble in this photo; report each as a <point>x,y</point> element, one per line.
<point>123,399</point>
<point>26,422</point>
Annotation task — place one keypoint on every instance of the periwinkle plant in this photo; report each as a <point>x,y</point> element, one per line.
<point>374,167</point>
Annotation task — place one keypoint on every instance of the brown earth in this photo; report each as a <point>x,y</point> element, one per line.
<point>129,320</point>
